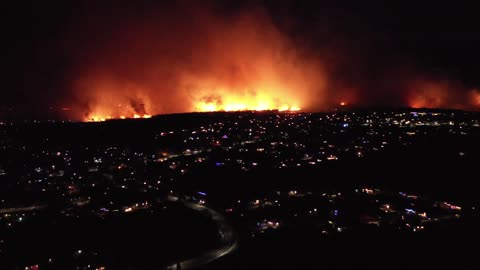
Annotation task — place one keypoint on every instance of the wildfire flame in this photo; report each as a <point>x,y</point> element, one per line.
<point>244,104</point>
<point>430,94</point>
<point>101,118</point>
<point>179,57</point>
<point>475,94</point>
<point>195,60</point>
<point>209,63</point>
<point>230,104</point>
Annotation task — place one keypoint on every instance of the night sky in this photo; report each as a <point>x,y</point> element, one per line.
<point>371,52</point>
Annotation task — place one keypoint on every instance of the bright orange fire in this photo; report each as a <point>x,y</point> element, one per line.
<point>244,63</point>
<point>256,103</point>
<point>192,58</point>
<point>476,98</point>
<point>101,118</point>
<point>228,103</point>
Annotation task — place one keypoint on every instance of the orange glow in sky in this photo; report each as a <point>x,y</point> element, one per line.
<point>429,94</point>
<point>476,98</point>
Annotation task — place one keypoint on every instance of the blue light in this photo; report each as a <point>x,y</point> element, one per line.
<point>202,193</point>
<point>410,211</point>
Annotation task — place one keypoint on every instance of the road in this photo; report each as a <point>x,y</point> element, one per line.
<point>229,238</point>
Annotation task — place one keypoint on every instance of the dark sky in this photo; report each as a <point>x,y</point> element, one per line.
<point>369,46</point>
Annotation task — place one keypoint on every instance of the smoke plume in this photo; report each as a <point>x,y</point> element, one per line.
<point>197,56</point>
<point>192,59</point>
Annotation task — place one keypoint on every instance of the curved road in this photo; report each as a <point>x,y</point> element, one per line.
<point>229,238</point>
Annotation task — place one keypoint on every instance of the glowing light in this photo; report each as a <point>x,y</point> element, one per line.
<point>476,97</point>
<point>410,211</point>
<point>343,103</point>
<point>427,94</point>
<point>231,104</point>
<point>206,107</point>
<point>98,118</point>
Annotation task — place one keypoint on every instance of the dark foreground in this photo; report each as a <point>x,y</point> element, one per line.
<point>87,196</point>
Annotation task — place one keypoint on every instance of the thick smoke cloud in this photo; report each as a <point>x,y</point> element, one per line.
<point>199,55</point>
<point>183,57</point>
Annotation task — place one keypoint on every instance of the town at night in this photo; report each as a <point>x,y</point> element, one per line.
<point>255,134</point>
<point>190,189</point>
